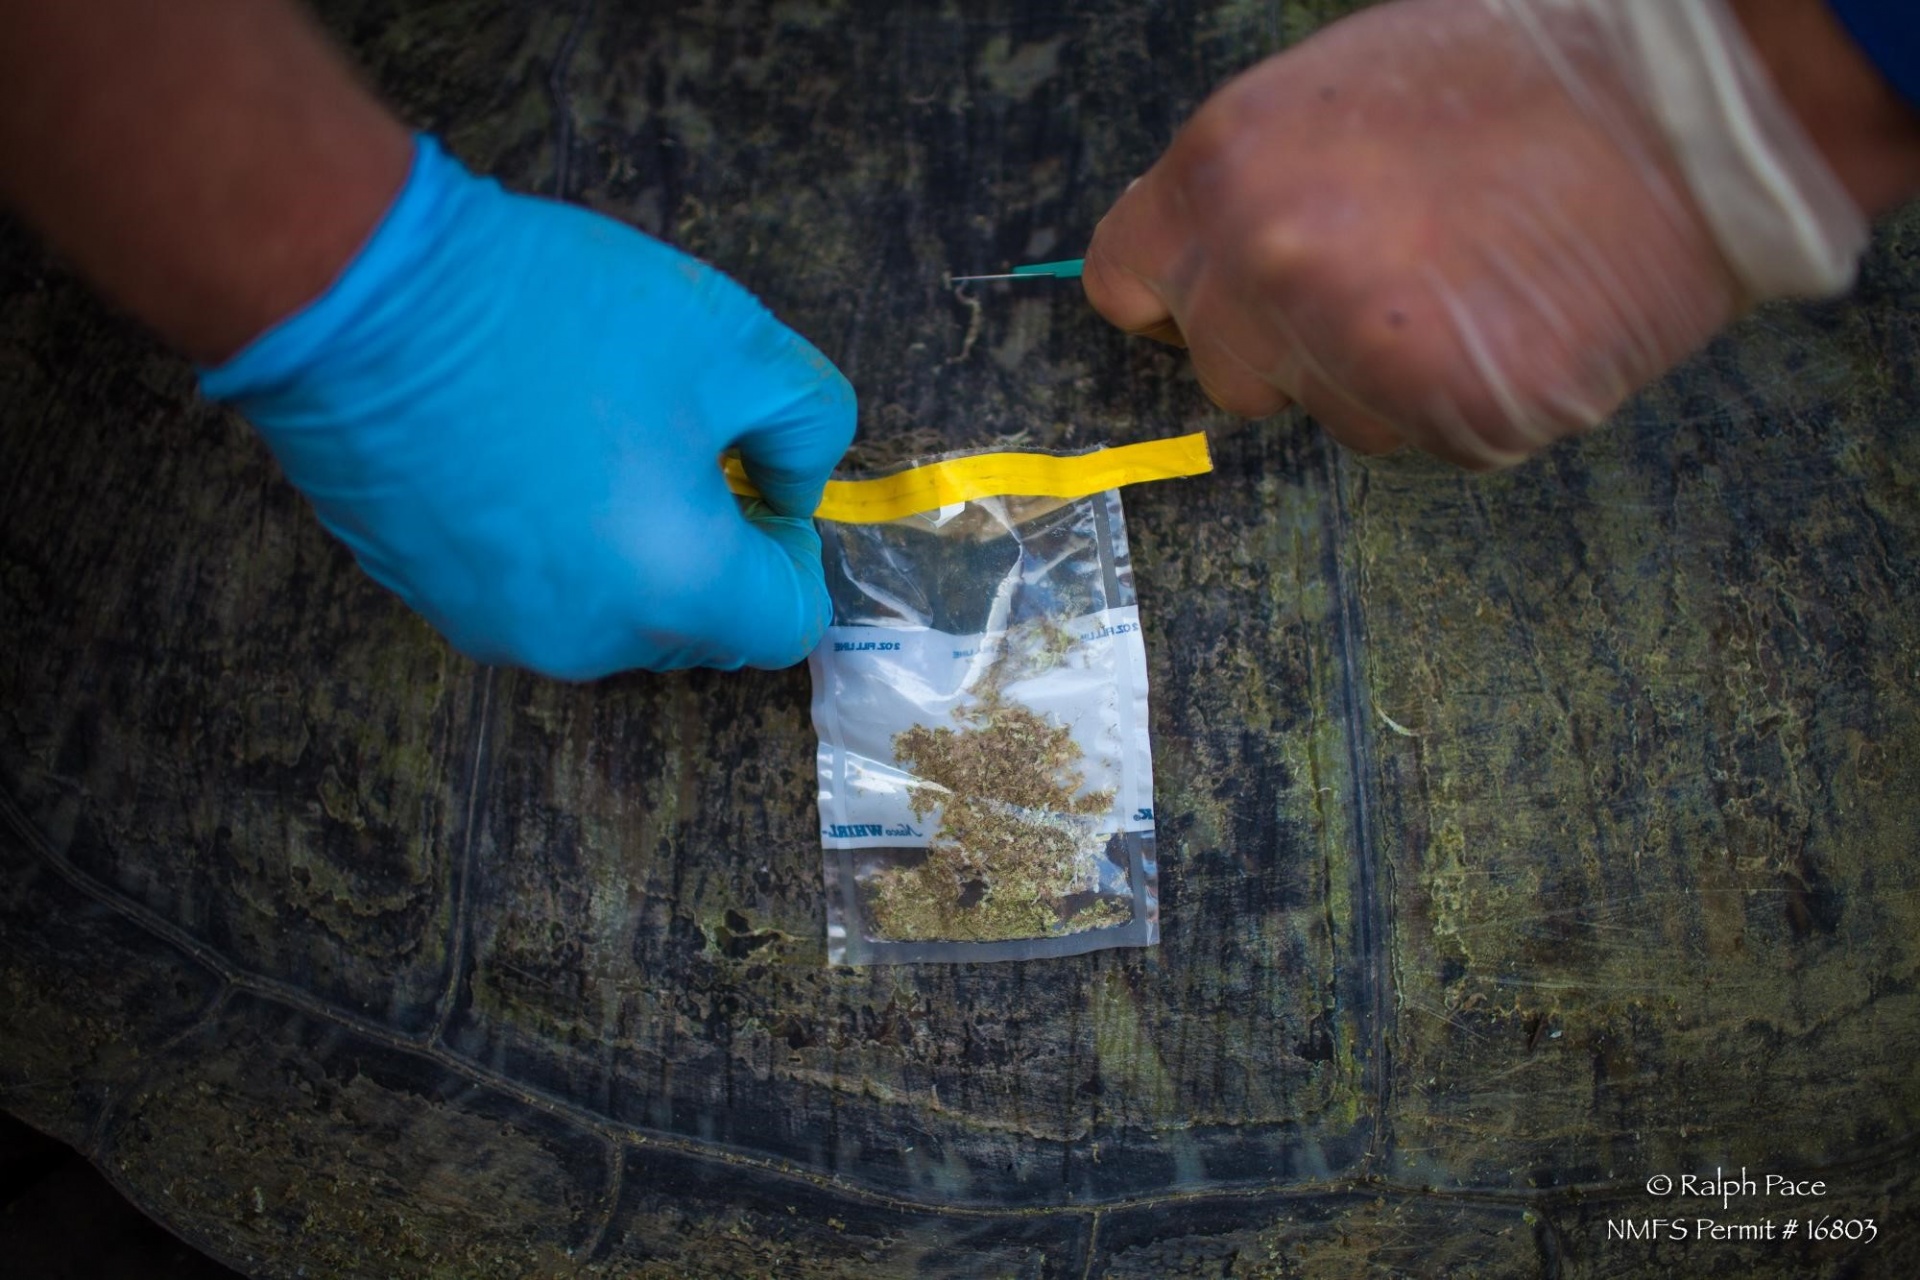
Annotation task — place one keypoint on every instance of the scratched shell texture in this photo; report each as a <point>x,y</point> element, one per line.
<point>1523,835</point>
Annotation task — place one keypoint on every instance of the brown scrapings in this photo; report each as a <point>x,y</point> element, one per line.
<point>1014,844</point>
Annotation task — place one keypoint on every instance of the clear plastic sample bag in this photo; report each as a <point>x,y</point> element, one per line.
<point>986,778</point>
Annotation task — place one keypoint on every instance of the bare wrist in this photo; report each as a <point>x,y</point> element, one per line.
<point>210,164</point>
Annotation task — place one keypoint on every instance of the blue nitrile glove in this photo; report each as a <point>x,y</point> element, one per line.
<point>512,410</point>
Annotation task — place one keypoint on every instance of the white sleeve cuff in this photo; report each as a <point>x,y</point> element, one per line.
<point>1780,215</point>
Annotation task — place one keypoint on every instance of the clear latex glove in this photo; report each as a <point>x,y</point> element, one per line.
<point>513,410</point>
<point>1475,226</point>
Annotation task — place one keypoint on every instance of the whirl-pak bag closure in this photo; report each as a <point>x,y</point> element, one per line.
<point>985,771</point>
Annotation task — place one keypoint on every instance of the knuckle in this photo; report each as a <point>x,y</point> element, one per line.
<point>1281,256</point>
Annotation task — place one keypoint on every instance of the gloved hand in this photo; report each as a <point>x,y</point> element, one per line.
<point>1475,225</point>
<point>512,410</point>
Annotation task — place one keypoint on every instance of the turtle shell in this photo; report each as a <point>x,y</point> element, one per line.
<point>1526,838</point>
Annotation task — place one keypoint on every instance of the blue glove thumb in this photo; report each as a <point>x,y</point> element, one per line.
<point>512,411</point>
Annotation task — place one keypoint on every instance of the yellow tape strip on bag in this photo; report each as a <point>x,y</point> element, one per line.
<point>983,475</point>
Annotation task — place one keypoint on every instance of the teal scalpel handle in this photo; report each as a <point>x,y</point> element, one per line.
<point>1066,269</point>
